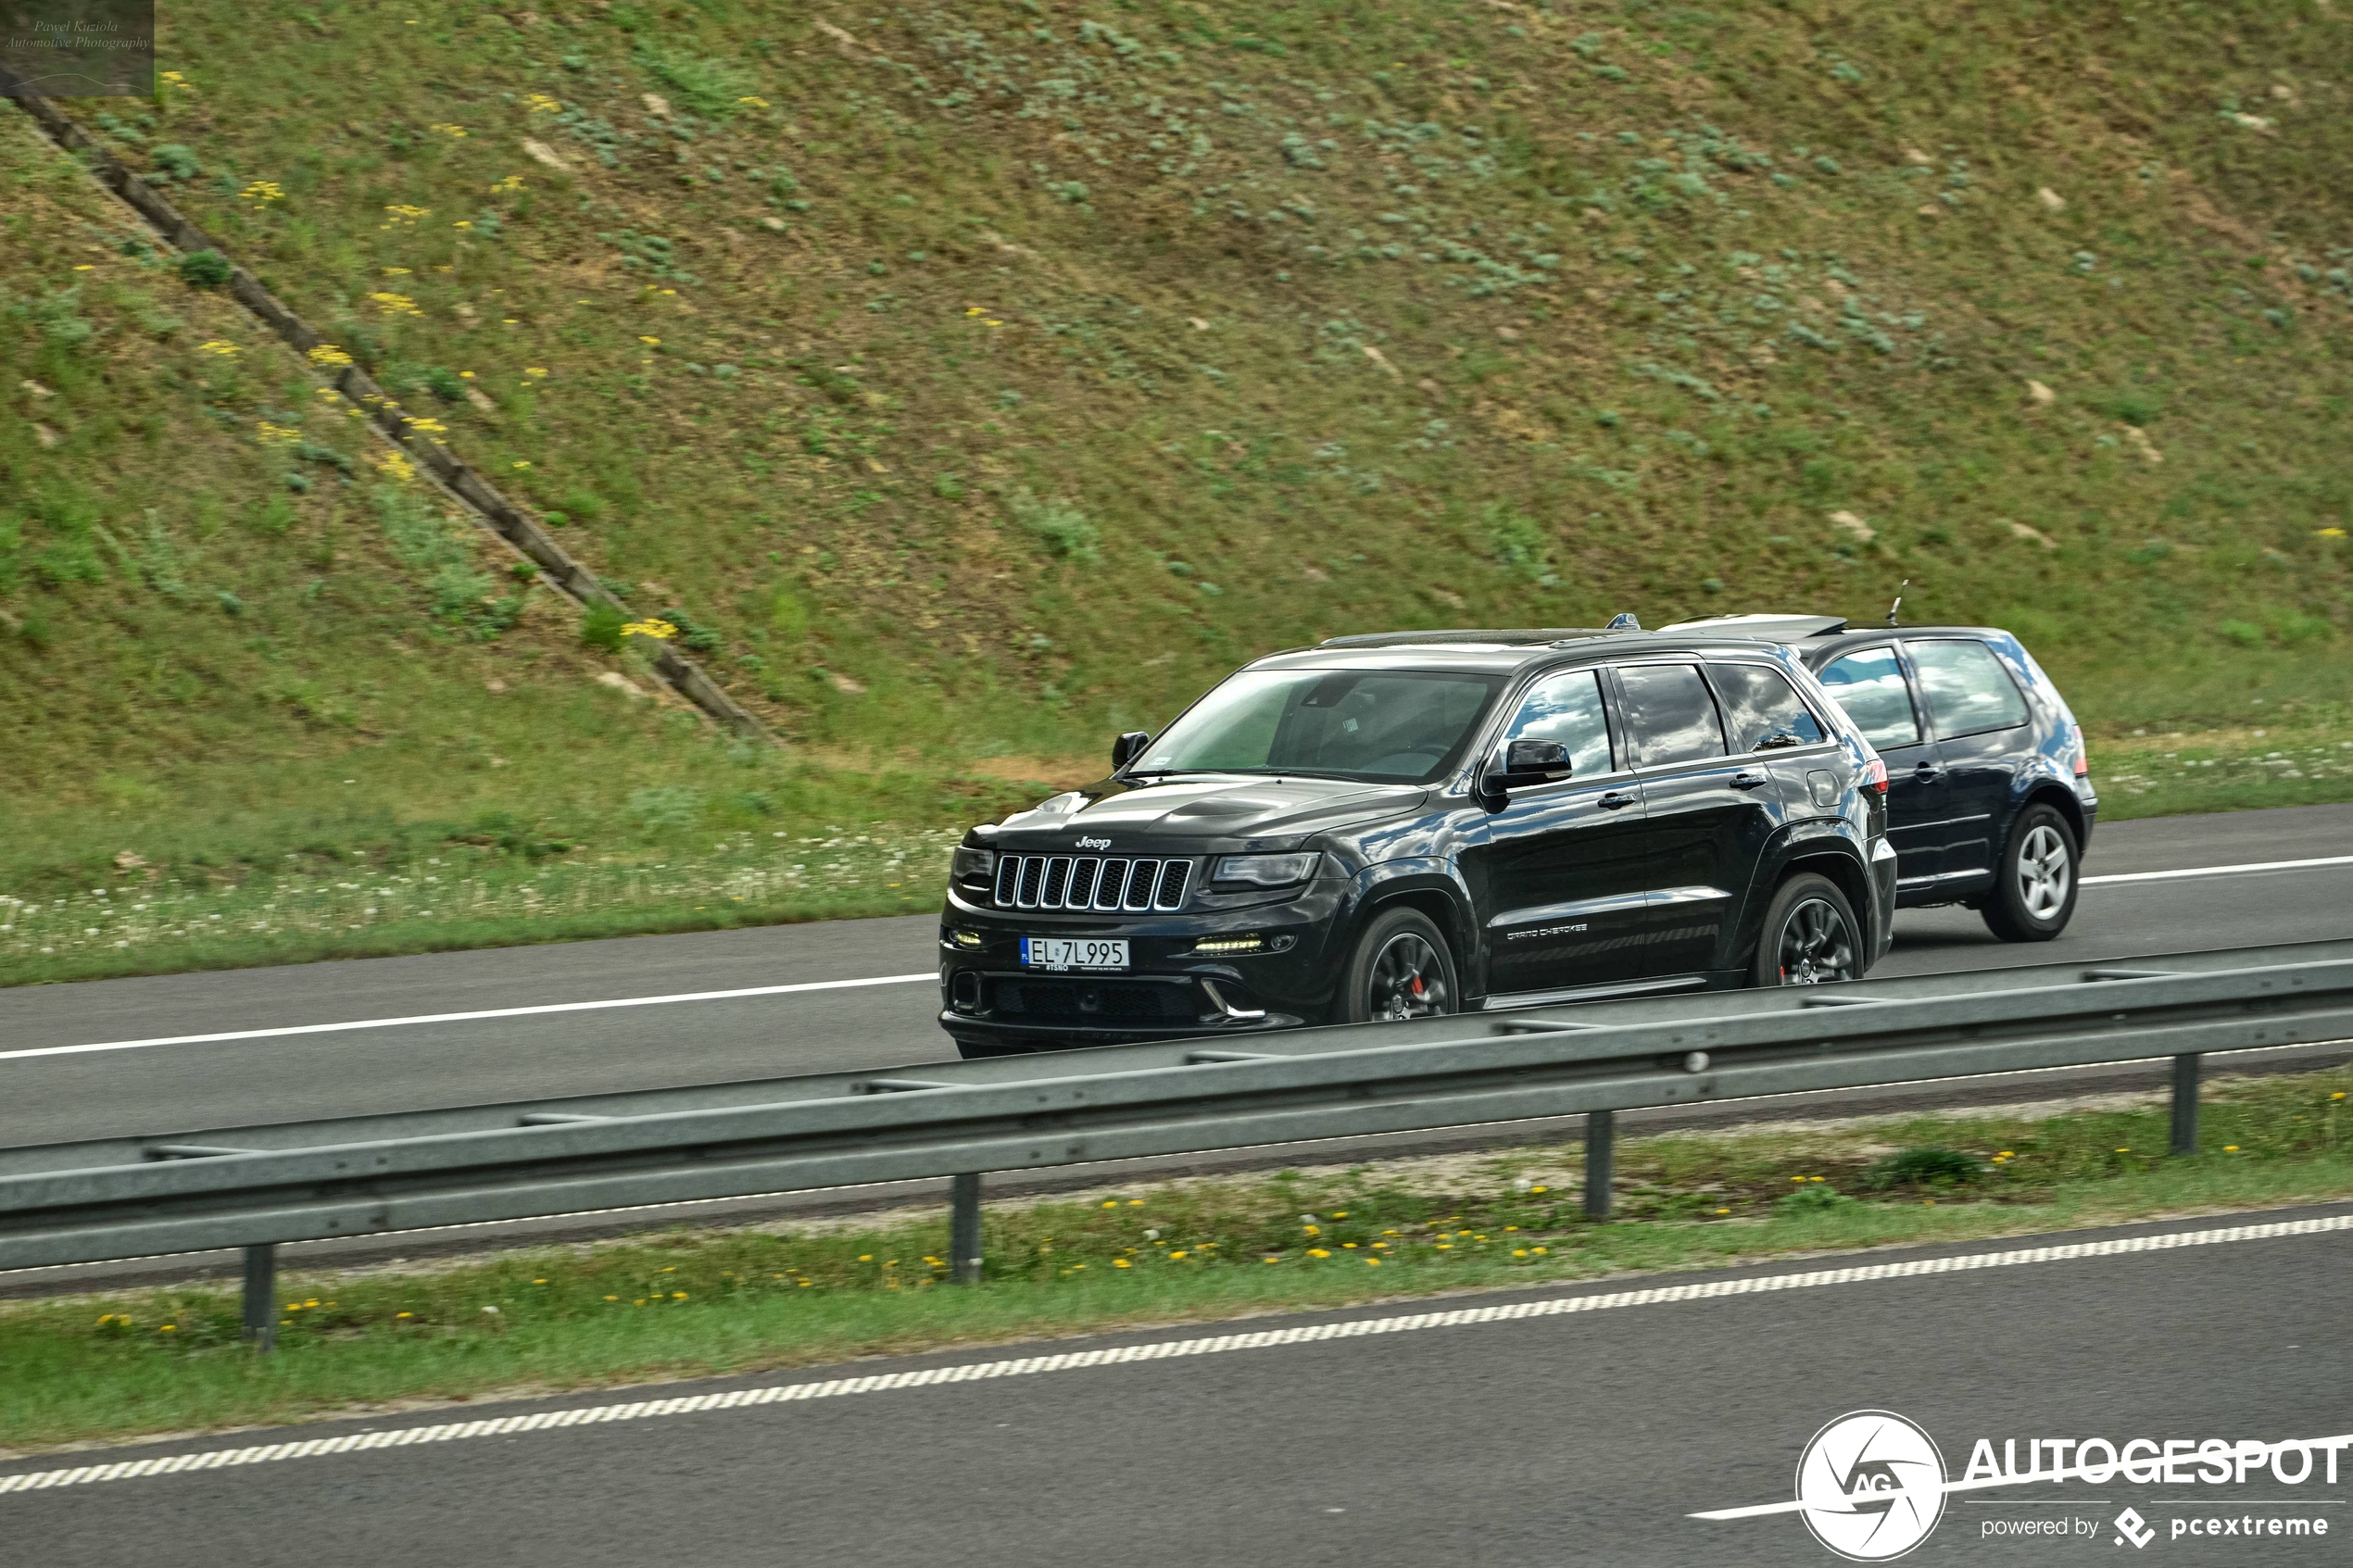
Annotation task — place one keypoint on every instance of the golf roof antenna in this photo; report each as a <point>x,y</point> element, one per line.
<point>1899,600</point>
<point>1625,621</point>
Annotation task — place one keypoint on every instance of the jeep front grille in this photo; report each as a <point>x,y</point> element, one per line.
<point>1106,883</point>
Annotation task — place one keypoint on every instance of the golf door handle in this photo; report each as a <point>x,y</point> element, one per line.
<point>1616,801</point>
<point>1745,780</point>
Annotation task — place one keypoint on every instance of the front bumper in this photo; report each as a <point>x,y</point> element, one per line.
<point>1170,990</point>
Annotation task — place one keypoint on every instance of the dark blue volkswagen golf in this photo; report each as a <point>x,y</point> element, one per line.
<point>1990,798</point>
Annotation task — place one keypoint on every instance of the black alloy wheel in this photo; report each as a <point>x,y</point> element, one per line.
<point>1810,936</point>
<point>1401,970</point>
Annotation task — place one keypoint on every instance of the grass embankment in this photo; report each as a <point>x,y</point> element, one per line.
<point>693,1303</point>
<point>984,382</point>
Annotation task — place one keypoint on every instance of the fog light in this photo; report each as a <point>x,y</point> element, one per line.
<point>968,939</point>
<point>963,991</point>
<point>1250,944</point>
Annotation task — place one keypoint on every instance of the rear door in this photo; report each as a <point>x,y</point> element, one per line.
<point>1559,874</point>
<point>1710,814</point>
<point>1981,721</point>
<point>1870,685</point>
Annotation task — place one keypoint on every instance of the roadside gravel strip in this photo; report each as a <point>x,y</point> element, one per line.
<point>1033,1365</point>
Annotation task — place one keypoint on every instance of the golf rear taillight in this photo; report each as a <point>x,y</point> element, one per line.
<point>1875,776</point>
<point>2083,752</point>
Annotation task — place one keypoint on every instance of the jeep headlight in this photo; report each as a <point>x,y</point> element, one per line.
<point>974,868</point>
<point>1263,871</point>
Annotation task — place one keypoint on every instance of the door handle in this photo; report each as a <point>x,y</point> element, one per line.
<point>1616,801</point>
<point>1750,780</point>
<point>1928,773</point>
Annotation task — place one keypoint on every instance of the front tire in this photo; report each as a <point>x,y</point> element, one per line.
<point>1401,970</point>
<point>1810,936</point>
<point>2035,884</point>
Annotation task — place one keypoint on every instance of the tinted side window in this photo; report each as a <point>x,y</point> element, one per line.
<point>1965,688</point>
<point>1566,708</point>
<point>1761,708</point>
<point>1868,683</point>
<point>1669,714</point>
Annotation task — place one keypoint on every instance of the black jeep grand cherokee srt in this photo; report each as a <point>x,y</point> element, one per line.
<point>1394,826</point>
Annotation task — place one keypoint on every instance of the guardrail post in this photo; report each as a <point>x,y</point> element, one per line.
<point>262,1296</point>
<point>964,1228</point>
<point>1601,1137</point>
<point>2186,1103</point>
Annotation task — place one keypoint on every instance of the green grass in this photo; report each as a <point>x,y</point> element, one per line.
<point>694,1303</point>
<point>877,370</point>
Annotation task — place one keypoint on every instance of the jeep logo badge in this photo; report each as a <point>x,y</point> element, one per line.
<point>1094,844</point>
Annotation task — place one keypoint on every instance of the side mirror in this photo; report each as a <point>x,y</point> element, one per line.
<point>1127,747</point>
<point>1525,762</point>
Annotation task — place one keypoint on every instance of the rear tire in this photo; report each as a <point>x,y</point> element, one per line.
<point>2035,882</point>
<point>1810,936</point>
<point>1401,970</point>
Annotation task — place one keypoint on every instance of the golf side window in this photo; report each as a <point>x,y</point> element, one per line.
<point>1965,688</point>
<point>1566,708</point>
<point>1868,683</point>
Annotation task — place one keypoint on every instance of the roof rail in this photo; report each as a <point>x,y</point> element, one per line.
<point>1531,636</point>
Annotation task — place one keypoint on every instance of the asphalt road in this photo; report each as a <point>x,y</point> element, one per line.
<point>1585,1437</point>
<point>47,1098</point>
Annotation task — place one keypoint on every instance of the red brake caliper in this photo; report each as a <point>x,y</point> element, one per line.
<point>1417,985</point>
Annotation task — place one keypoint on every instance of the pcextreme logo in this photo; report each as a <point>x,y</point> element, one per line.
<point>1871,1486</point>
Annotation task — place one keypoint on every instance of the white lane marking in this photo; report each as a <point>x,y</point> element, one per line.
<point>469,1016</point>
<point>2220,870</point>
<point>1163,1349</point>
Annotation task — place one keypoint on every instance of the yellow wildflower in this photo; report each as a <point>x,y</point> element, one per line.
<point>512,182</point>
<point>539,103</point>
<point>396,304</point>
<point>394,467</point>
<point>328,354</point>
<point>535,369</point>
<point>226,350</point>
<point>1317,1252</point>
<point>455,132</point>
<point>660,632</point>
<point>430,426</point>
<point>756,102</point>
<point>2330,533</point>
<point>263,191</point>
<point>277,435</point>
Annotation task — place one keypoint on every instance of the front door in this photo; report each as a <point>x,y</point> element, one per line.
<point>1710,814</point>
<point>1978,716</point>
<point>1559,874</point>
<point>1869,685</point>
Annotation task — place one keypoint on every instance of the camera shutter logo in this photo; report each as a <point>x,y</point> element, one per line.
<point>1871,1485</point>
<point>2130,1526</point>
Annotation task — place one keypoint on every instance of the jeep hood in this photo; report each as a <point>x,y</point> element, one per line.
<point>1209,811</point>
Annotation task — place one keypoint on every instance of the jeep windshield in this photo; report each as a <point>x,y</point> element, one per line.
<point>1391,726</point>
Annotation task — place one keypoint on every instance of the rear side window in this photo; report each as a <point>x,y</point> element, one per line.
<point>1762,710</point>
<point>1566,708</point>
<point>1965,688</point>
<point>1868,683</point>
<point>1669,714</point>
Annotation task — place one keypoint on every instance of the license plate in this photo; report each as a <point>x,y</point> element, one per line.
<point>1071,952</point>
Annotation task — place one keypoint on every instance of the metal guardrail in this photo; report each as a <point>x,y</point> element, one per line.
<point>254,1188</point>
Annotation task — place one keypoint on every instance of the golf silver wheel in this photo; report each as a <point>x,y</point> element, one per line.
<point>2045,871</point>
<point>1408,979</point>
<point>1817,944</point>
